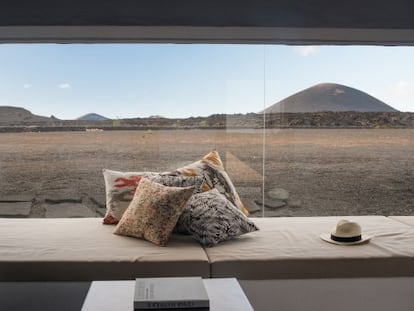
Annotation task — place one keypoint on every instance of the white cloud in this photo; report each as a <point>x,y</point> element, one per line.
<point>64,86</point>
<point>403,88</point>
<point>27,86</point>
<point>306,50</point>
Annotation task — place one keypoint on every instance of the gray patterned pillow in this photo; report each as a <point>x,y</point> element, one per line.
<point>210,218</point>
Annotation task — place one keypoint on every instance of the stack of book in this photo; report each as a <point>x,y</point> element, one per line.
<point>173,293</point>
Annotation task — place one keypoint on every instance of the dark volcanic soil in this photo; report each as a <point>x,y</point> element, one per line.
<point>307,172</point>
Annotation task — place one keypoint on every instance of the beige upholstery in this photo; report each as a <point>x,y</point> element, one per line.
<point>85,249</point>
<point>291,248</point>
<point>409,220</point>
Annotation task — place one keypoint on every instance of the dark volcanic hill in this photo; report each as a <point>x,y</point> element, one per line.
<point>16,115</point>
<point>92,117</point>
<point>330,97</point>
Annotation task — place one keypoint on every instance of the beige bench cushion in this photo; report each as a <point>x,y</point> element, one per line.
<point>409,220</point>
<point>85,249</point>
<point>291,248</point>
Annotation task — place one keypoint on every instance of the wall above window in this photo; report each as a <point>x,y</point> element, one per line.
<point>262,21</point>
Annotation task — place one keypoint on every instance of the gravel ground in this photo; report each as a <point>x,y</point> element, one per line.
<point>307,172</point>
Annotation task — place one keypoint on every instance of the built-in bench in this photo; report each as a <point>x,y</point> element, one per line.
<point>81,249</point>
<point>291,248</point>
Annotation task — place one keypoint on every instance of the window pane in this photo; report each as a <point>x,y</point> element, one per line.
<point>339,143</point>
<point>165,106</point>
<point>339,136</point>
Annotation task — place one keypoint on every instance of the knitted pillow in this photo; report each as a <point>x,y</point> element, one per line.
<point>153,212</point>
<point>212,169</point>
<point>210,218</point>
<point>121,186</point>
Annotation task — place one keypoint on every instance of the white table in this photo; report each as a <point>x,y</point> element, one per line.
<point>225,295</point>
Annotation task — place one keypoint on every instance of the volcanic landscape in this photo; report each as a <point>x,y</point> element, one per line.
<point>308,163</point>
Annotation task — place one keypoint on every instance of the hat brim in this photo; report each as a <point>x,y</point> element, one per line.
<point>327,237</point>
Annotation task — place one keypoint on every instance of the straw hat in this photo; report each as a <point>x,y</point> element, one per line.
<point>345,233</point>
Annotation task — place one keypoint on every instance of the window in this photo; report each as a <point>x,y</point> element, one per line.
<point>165,106</point>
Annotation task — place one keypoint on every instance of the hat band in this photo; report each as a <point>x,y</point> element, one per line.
<point>347,239</point>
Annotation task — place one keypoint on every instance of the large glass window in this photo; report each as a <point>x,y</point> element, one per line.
<point>302,131</point>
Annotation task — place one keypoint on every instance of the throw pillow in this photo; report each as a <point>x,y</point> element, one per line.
<point>212,169</point>
<point>210,218</point>
<point>153,212</point>
<point>120,188</point>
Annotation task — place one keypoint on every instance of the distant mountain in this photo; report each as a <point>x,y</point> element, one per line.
<point>16,115</point>
<point>330,97</point>
<point>92,117</point>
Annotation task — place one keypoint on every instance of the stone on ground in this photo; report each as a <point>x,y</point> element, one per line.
<point>295,203</point>
<point>15,209</point>
<point>67,210</point>
<point>271,203</point>
<point>56,198</point>
<point>277,193</point>
<point>251,205</point>
<point>24,197</point>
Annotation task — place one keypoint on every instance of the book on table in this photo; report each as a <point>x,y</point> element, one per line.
<point>171,293</point>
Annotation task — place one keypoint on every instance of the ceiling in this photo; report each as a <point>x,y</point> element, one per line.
<point>232,21</point>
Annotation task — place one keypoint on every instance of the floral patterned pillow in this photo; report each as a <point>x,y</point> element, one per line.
<point>212,169</point>
<point>154,211</point>
<point>120,188</point>
<point>210,218</point>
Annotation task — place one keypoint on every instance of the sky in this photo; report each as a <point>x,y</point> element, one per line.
<point>183,80</point>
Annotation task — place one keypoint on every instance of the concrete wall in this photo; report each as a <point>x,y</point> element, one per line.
<point>214,21</point>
